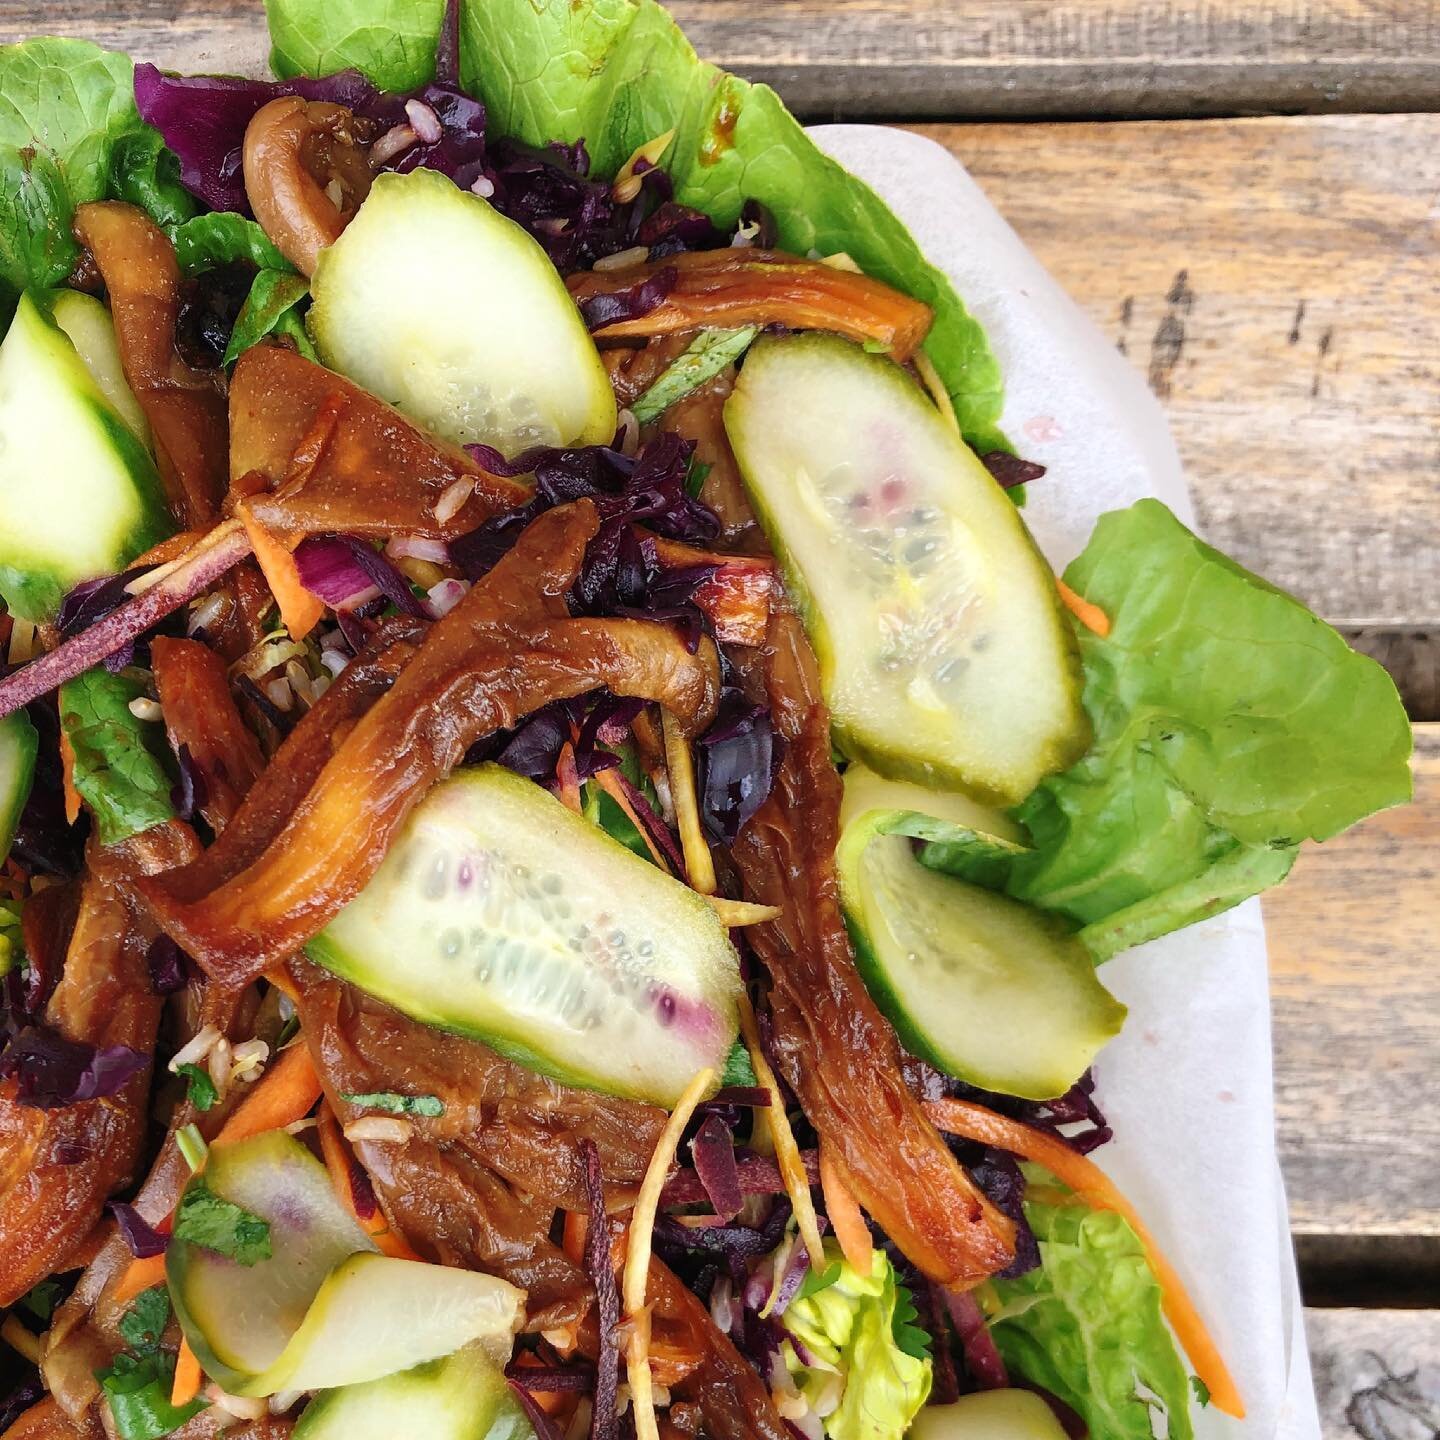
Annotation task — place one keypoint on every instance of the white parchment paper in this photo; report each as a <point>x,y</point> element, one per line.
<point>1188,1085</point>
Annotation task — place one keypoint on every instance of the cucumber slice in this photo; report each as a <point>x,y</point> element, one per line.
<point>985,1415</point>
<point>989,990</point>
<point>434,301</point>
<point>501,914</point>
<point>945,654</point>
<point>79,494</point>
<point>18,744</point>
<point>324,1310</point>
<point>92,332</point>
<point>461,1397</point>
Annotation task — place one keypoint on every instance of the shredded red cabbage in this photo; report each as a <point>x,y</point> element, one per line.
<point>190,792</point>
<point>543,1426</point>
<point>759,1175</point>
<point>631,303</point>
<point>603,1425</point>
<point>1010,470</point>
<point>384,576</point>
<point>713,1151</point>
<point>51,1071</point>
<point>737,757</point>
<point>329,568</point>
<point>998,1175</point>
<point>552,1379</point>
<point>143,1240</point>
<point>166,964</point>
<point>30,1391</point>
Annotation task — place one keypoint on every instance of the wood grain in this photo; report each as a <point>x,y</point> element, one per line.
<point>1357,1031</point>
<point>1275,280</point>
<point>947,59</point>
<point>1377,1373</point>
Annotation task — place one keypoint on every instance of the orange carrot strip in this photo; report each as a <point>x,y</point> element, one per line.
<point>285,1093</point>
<point>568,777</point>
<point>299,609</point>
<point>850,1228</point>
<point>1091,616</point>
<point>67,779</point>
<point>140,1275</point>
<point>187,1375</point>
<point>338,1162</point>
<point>974,1122</point>
<point>606,780</point>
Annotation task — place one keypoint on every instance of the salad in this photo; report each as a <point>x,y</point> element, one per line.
<point>560,838</point>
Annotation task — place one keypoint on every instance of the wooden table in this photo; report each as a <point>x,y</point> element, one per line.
<point>1277,278</point>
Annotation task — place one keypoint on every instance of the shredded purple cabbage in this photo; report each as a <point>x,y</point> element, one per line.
<point>540,1422</point>
<point>51,1071</point>
<point>143,1240</point>
<point>1010,470</point>
<point>330,569</point>
<point>166,964</point>
<point>630,303</point>
<point>30,1391</point>
<point>997,1174</point>
<point>552,1379</point>
<point>737,757</point>
<point>190,792</point>
<point>384,576</point>
<point>603,1425</point>
<point>713,1152</point>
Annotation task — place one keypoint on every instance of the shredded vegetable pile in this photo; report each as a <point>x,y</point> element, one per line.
<point>557,830</point>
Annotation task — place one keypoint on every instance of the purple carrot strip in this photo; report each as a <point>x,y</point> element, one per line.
<point>543,1426</point>
<point>982,1357</point>
<point>603,1425</point>
<point>222,549</point>
<point>758,1176</point>
<point>713,1150</point>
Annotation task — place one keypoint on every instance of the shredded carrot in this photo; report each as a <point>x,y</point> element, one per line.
<point>844,1211</point>
<point>1086,1179</point>
<point>187,1375</point>
<point>299,609</point>
<point>140,1275</point>
<point>67,779</point>
<point>699,864</point>
<point>338,1162</point>
<point>552,1402</point>
<point>279,977</point>
<point>787,1152</point>
<point>285,1093</point>
<point>568,778</point>
<point>606,780</point>
<point>1091,616</point>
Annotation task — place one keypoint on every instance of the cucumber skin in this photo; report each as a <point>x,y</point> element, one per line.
<point>22,740</point>
<point>329,957</point>
<point>890,759</point>
<point>35,594</point>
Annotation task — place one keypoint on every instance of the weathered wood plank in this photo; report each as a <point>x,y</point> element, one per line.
<point>952,58</point>
<point>1357,1031</point>
<point>1377,1373</point>
<point>1275,281</point>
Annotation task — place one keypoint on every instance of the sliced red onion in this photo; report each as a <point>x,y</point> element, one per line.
<point>981,1355</point>
<point>417,547</point>
<point>393,585</point>
<point>759,1175</point>
<point>713,1150</point>
<point>144,1241</point>
<point>328,568</point>
<point>441,598</point>
<point>222,549</point>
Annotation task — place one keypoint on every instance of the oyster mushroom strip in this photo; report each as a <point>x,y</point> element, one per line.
<point>306,174</point>
<point>185,407</point>
<point>729,288</point>
<point>60,1162</point>
<point>507,649</point>
<point>831,1043</point>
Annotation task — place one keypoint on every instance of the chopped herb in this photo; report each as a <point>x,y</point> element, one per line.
<point>695,477</point>
<point>201,1092</point>
<point>910,1338</point>
<point>1202,1391</point>
<point>739,1071</point>
<point>144,1322</point>
<point>138,1389</point>
<point>40,1300</point>
<point>207,1220</point>
<point>393,1104</point>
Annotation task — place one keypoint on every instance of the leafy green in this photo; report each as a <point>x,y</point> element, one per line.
<point>200,1090</point>
<point>618,74</point>
<point>224,238</point>
<point>739,1068</point>
<point>41,1299</point>
<point>205,1219</point>
<point>273,295</point>
<point>144,173</point>
<point>600,808</point>
<point>117,766</point>
<point>1229,724</point>
<point>1087,1325</point>
<point>394,1104</point>
<point>138,1390</point>
<point>144,1322</point>
<point>392,42</point>
<point>12,940</point>
<point>705,357</point>
<point>859,1337</point>
<point>64,107</point>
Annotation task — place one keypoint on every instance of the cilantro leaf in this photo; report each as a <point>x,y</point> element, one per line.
<point>144,1322</point>
<point>40,1300</point>
<point>393,1104</point>
<point>205,1219</point>
<point>909,1336</point>
<point>138,1390</point>
<point>739,1070</point>
<point>201,1091</point>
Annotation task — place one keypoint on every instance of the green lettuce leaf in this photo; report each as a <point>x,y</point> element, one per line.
<point>1087,1326</point>
<point>144,173</point>
<point>1230,724</point>
<point>619,73</point>
<point>861,1342</point>
<point>273,296</point>
<point>391,42</point>
<point>118,771</point>
<point>224,238</point>
<point>65,105</point>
